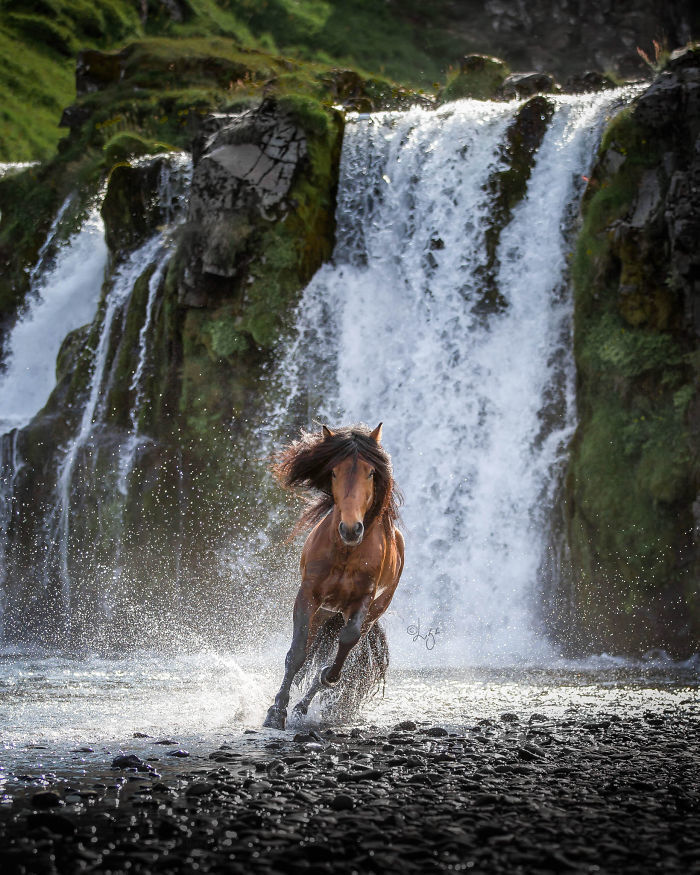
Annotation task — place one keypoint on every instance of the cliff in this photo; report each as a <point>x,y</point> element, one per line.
<point>632,514</point>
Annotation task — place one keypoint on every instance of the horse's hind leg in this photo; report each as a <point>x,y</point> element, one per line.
<point>302,706</point>
<point>277,713</point>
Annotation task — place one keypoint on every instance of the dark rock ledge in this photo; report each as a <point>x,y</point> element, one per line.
<point>600,793</point>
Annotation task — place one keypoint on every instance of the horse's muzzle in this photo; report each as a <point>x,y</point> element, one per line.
<point>351,536</point>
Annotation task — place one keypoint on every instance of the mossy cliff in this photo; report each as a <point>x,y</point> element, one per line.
<point>632,514</point>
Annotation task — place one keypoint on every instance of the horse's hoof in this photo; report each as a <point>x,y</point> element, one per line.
<point>325,680</point>
<point>276,717</point>
<point>300,710</point>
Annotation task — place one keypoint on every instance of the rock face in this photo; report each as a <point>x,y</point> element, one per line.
<point>631,494</point>
<point>182,358</point>
<point>566,37</point>
<point>244,168</point>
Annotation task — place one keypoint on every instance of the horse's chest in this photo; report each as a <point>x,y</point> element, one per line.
<point>345,585</point>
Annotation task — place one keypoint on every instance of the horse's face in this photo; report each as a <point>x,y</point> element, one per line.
<point>353,493</point>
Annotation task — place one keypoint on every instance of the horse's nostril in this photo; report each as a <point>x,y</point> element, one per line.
<point>350,535</point>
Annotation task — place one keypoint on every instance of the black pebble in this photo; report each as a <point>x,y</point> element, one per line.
<point>45,799</point>
<point>342,802</point>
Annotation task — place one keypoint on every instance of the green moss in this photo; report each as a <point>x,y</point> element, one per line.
<point>613,348</point>
<point>307,113</point>
<point>632,476</point>
<point>125,145</point>
<point>631,466</point>
<point>478,77</point>
<point>226,337</point>
<point>232,46</point>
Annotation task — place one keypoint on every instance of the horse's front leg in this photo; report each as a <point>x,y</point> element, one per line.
<point>304,609</point>
<point>348,637</point>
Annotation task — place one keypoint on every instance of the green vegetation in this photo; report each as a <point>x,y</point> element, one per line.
<point>632,474</point>
<point>39,41</point>
<point>478,77</point>
<point>239,333</point>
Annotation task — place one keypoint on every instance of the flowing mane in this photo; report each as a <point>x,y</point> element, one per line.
<point>307,463</point>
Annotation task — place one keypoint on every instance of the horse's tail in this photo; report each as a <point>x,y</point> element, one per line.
<point>364,672</point>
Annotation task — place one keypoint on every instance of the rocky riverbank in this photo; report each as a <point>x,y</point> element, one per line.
<point>588,791</point>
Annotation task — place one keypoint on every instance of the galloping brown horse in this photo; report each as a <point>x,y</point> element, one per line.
<point>352,559</point>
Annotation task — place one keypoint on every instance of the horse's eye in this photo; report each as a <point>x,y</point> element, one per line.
<point>371,474</point>
<point>332,475</point>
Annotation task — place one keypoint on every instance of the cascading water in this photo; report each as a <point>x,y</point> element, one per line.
<point>63,297</point>
<point>64,290</point>
<point>91,466</point>
<point>475,390</point>
<point>477,399</point>
<point>152,255</point>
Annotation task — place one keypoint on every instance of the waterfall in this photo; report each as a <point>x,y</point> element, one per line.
<point>442,313</point>
<point>153,255</point>
<point>477,399</point>
<point>84,478</point>
<point>114,306</point>
<point>63,296</point>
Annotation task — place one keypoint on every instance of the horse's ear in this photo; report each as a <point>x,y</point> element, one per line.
<point>376,435</point>
<point>327,433</point>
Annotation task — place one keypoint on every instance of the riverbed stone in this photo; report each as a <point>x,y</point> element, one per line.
<point>615,794</point>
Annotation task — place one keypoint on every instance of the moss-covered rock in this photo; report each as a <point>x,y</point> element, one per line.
<point>507,186</point>
<point>134,204</point>
<point>634,474</point>
<point>477,76</point>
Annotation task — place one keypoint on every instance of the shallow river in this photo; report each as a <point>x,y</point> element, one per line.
<point>51,707</point>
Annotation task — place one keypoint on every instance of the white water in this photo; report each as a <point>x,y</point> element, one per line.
<point>130,447</point>
<point>477,409</point>
<point>62,298</point>
<point>174,182</point>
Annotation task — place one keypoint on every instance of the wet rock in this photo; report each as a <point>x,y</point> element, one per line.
<point>478,77</point>
<point>530,752</point>
<point>406,726</point>
<point>310,736</point>
<point>199,788</point>
<point>55,823</point>
<point>178,753</point>
<point>342,802</point>
<point>131,209</point>
<point>660,104</point>
<point>243,162</point>
<point>131,761</point>
<point>519,85</point>
<point>46,799</point>
<point>435,732</point>
<point>591,80</point>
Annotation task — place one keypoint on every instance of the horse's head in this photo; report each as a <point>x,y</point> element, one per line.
<point>352,483</point>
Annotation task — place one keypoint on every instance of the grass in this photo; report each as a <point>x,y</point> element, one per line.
<point>39,40</point>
